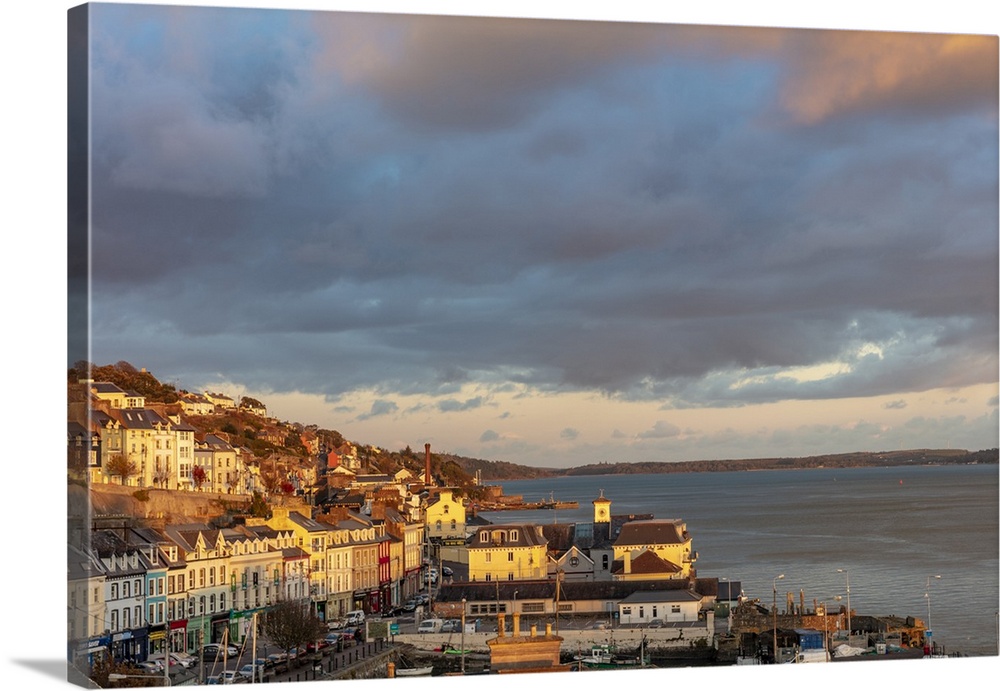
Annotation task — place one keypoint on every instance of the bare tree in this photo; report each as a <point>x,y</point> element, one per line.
<point>293,624</point>
<point>119,465</point>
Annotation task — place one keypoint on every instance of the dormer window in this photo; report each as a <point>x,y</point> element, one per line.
<point>513,536</point>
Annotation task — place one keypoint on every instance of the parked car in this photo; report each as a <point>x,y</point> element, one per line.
<point>430,626</point>
<point>423,599</point>
<point>655,624</point>
<point>183,659</point>
<point>355,618</point>
<point>279,661</point>
<point>409,605</point>
<point>229,676</point>
<point>213,650</point>
<point>332,638</point>
<point>335,624</point>
<point>316,646</point>
<point>151,666</point>
<point>253,672</point>
<point>446,570</point>
<point>451,626</point>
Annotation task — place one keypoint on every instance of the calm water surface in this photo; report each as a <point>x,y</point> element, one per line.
<point>889,528</point>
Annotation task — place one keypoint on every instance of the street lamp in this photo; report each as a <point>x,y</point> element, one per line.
<point>846,573</point>
<point>927,594</point>
<point>774,612</point>
<point>463,636</point>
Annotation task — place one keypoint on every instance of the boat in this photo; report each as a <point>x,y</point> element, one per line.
<point>607,657</point>
<point>415,671</point>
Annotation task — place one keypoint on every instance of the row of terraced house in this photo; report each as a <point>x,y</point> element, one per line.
<point>135,590</point>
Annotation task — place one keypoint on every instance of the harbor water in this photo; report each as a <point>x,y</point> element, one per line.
<point>890,531</point>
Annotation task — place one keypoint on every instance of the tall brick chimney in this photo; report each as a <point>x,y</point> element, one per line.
<point>427,464</point>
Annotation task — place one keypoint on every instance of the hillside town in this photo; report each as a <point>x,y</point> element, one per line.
<point>182,538</point>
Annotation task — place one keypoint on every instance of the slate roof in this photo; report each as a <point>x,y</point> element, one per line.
<point>652,532</point>
<point>648,562</point>
<point>662,596</point>
<point>485,591</point>
<point>138,418</point>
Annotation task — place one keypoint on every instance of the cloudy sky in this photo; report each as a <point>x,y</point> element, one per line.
<point>552,242</point>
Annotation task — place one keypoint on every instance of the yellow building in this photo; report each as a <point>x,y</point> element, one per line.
<point>507,553</point>
<point>445,517</point>
<point>660,548</point>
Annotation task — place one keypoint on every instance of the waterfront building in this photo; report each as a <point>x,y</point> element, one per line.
<point>656,547</point>
<point>508,552</point>
<point>668,606</point>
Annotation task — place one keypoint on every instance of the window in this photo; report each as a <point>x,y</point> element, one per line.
<point>510,556</point>
<point>126,589</point>
<point>510,576</point>
<point>533,607</point>
<point>513,536</point>
<point>574,561</point>
<point>201,578</point>
<point>159,586</point>
<point>484,537</point>
<point>626,611</point>
<point>114,591</point>
<point>437,525</point>
<point>604,562</point>
<point>114,620</point>
<point>489,557</point>
<point>454,524</point>
<point>676,609</point>
<point>151,611</point>
<point>446,507</point>
<point>191,579</point>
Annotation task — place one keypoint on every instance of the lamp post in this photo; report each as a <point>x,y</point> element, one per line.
<point>774,612</point>
<point>927,594</point>
<point>848,575</point>
<point>463,636</point>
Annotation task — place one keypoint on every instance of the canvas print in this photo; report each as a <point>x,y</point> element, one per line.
<point>414,345</point>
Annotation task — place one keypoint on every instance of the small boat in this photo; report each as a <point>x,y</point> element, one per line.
<point>415,672</point>
<point>606,657</point>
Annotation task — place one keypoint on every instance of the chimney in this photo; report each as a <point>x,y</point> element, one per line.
<point>500,625</point>
<point>534,630</point>
<point>516,629</point>
<point>427,464</point>
<point>548,629</point>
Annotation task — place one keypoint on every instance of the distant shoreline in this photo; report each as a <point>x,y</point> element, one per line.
<point>911,458</point>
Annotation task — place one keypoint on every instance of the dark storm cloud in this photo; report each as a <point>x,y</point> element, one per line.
<point>331,202</point>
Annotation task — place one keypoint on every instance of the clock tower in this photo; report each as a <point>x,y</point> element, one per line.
<point>602,509</point>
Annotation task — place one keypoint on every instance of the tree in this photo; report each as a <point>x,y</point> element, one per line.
<point>198,475</point>
<point>119,465</point>
<point>259,506</point>
<point>293,624</point>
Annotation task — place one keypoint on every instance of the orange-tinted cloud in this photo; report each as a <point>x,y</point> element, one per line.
<point>841,73</point>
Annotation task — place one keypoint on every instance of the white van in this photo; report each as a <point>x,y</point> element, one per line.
<point>355,618</point>
<point>430,626</point>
